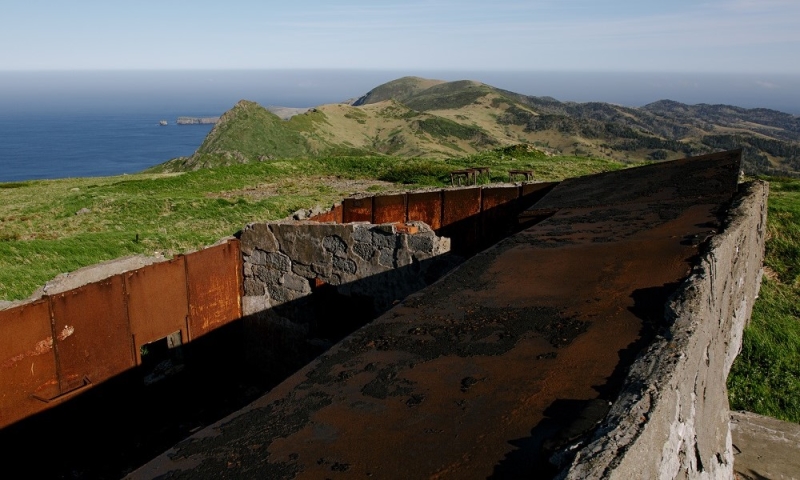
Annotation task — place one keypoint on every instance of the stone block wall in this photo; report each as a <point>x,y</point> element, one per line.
<point>308,284</point>
<point>672,417</point>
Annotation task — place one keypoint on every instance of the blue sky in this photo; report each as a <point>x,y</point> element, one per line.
<point>742,36</point>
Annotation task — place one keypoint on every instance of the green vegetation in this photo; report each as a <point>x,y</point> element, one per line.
<point>765,378</point>
<point>449,95</point>
<point>443,127</point>
<point>49,227</point>
<point>248,132</point>
<point>400,89</point>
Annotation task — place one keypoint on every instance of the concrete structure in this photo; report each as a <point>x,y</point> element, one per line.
<point>595,343</point>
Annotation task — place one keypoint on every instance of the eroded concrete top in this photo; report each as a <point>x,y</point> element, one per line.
<point>488,371</point>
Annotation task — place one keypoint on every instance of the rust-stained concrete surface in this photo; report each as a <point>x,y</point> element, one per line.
<point>493,368</point>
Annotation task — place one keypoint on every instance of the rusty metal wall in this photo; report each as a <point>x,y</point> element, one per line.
<point>214,286</point>
<point>426,207</point>
<point>389,208</point>
<point>27,361</point>
<point>461,219</point>
<point>61,345</point>
<point>460,204</point>
<point>324,217</point>
<point>93,341</point>
<point>157,302</point>
<point>496,196</point>
<point>498,213</point>
<point>357,210</point>
<point>332,215</point>
<point>338,213</point>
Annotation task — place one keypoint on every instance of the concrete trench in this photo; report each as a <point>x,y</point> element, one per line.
<point>580,347</point>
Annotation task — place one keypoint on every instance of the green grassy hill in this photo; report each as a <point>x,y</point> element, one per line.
<point>416,117</point>
<point>246,133</point>
<point>401,90</point>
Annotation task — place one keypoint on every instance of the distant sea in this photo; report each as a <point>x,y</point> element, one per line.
<point>78,124</point>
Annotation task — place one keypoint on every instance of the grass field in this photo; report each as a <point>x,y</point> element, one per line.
<point>49,227</point>
<point>765,378</point>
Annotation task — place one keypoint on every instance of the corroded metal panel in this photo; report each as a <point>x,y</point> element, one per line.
<point>499,215</point>
<point>461,219</point>
<point>338,213</point>
<point>332,215</point>
<point>460,204</point>
<point>214,287</point>
<point>93,341</point>
<point>27,361</point>
<point>323,217</point>
<point>389,209</point>
<point>157,302</point>
<point>426,207</point>
<point>357,210</point>
<point>492,197</point>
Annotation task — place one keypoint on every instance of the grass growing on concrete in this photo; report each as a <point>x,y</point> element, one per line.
<point>765,378</point>
<point>49,227</point>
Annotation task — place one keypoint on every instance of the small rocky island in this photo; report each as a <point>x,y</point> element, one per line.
<point>197,120</point>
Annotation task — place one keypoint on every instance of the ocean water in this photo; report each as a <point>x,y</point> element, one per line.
<point>78,124</point>
<point>36,146</point>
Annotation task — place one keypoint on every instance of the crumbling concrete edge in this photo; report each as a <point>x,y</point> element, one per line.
<point>672,416</point>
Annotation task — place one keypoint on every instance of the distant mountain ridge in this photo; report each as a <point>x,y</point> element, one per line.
<point>418,117</point>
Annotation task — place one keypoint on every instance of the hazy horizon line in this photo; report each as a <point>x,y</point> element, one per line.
<point>219,89</point>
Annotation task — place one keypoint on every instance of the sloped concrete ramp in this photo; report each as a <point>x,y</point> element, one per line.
<point>495,369</point>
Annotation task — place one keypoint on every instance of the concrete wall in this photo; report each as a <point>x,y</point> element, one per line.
<point>672,418</point>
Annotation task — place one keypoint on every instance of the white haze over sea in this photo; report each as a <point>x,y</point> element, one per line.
<point>60,124</point>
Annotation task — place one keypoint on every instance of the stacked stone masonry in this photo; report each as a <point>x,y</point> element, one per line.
<point>283,261</point>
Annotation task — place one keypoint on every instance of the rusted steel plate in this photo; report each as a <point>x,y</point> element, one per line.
<point>460,204</point>
<point>99,342</point>
<point>494,196</point>
<point>338,212</point>
<point>323,217</point>
<point>461,220</point>
<point>214,287</point>
<point>426,207</point>
<point>499,213</point>
<point>332,215</point>
<point>27,361</point>
<point>157,303</point>
<point>389,209</point>
<point>357,210</point>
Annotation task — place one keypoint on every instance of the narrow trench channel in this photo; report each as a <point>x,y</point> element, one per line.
<point>117,426</point>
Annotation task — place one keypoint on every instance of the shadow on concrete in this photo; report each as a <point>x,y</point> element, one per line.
<point>570,422</point>
<point>285,338</point>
